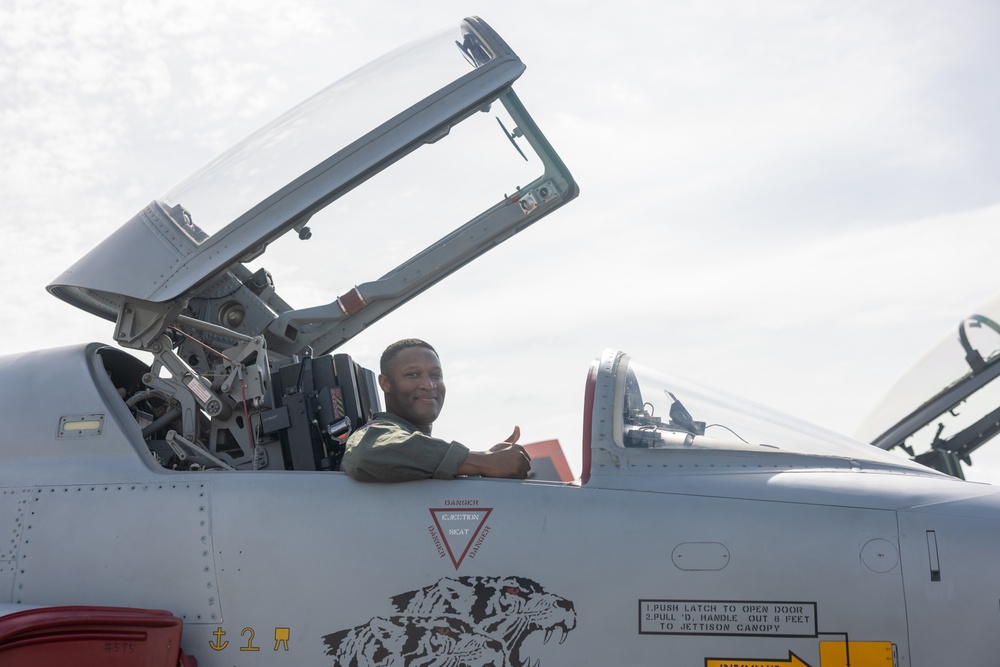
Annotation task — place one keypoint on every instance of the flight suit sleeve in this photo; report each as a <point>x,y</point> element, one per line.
<point>386,453</point>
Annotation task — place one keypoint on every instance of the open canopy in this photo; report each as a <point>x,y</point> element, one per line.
<point>947,403</point>
<point>182,261</point>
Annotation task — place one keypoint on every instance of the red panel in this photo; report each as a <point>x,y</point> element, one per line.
<point>91,637</point>
<point>551,450</point>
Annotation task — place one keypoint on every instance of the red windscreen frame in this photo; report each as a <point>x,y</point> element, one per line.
<point>588,419</point>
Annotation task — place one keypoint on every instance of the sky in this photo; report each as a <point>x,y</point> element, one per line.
<point>790,201</point>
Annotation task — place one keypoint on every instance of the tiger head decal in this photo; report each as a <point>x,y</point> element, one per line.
<point>412,640</point>
<point>457,622</point>
<point>505,608</point>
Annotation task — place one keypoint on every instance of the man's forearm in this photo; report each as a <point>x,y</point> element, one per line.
<point>510,461</point>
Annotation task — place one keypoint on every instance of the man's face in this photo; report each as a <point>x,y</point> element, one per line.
<point>414,387</point>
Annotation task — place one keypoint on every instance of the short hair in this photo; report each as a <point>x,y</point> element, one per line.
<point>391,352</point>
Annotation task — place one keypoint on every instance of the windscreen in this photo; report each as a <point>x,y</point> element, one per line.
<point>666,412</point>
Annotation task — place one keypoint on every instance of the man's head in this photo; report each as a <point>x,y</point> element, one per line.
<point>412,381</point>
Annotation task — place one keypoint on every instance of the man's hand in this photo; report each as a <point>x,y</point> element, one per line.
<point>506,459</point>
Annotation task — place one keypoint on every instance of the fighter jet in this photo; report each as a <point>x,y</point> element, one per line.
<point>177,496</point>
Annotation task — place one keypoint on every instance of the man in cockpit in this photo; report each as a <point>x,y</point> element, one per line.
<point>396,446</point>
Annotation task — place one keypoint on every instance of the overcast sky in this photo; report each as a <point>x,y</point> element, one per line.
<point>788,200</point>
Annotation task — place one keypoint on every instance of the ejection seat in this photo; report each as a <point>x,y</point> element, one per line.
<point>318,403</point>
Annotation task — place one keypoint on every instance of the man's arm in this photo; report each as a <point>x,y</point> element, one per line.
<point>503,460</point>
<point>506,459</point>
<point>382,452</point>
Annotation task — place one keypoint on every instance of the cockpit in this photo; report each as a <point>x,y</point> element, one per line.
<point>240,375</point>
<point>432,134</point>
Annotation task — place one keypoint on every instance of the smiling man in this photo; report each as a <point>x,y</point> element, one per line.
<point>396,446</point>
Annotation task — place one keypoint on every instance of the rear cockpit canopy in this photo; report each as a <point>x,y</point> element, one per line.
<point>188,254</point>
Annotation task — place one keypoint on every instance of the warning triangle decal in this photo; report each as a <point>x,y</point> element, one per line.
<point>459,528</point>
